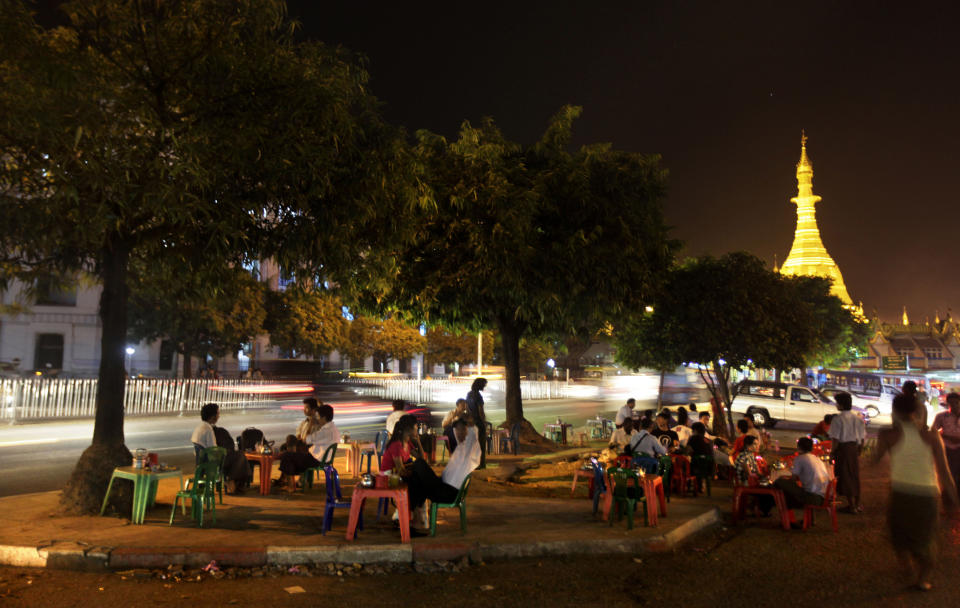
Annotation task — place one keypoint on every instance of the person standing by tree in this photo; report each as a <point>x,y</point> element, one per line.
<point>948,424</point>
<point>847,432</point>
<point>475,409</point>
<point>918,476</point>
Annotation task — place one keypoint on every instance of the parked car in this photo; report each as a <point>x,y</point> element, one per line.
<point>770,402</point>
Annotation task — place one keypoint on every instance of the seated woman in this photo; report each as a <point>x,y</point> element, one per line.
<point>236,469</point>
<point>822,430</point>
<point>620,438</point>
<point>401,457</point>
<point>748,470</point>
<point>320,433</point>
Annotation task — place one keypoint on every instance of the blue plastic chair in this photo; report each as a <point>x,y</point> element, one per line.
<point>648,464</point>
<point>335,500</point>
<point>599,483</point>
<point>380,445</point>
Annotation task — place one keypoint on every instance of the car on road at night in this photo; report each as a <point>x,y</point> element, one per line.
<point>770,402</point>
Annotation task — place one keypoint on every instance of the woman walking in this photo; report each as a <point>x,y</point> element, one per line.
<point>475,409</point>
<point>918,476</point>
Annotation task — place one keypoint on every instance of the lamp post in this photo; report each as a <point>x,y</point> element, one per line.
<point>130,351</point>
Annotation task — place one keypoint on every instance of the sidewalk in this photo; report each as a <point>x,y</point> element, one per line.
<point>509,514</point>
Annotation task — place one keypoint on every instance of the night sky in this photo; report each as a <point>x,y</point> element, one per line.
<point>721,90</point>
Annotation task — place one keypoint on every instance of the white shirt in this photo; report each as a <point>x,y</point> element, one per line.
<point>392,419</point>
<point>623,413</point>
<point>620,438</point>
<point>463,461</point>
<point>321,439</point>
<point>683,433</point>
<point>912,468</point>
<point>847,426</point>
<point>812,473</point>
<point>204,436</point>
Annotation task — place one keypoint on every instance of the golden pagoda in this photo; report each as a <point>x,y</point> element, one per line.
<point>808,256</point>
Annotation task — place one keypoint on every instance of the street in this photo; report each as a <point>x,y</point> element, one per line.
<point>39,457</point>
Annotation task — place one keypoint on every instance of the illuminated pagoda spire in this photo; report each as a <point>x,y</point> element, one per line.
<point>808,256</point>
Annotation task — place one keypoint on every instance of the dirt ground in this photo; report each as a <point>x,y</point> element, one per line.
<point>755,563</point>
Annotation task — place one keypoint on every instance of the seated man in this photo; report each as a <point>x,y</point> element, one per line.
<point>236,469</point>
<point>747,471</point>
<point>812,475</point>
<point>822,430</point>
<point>620,438</point>
<point>644,443</point>
<point>667,437</point>
<point>323,434</point>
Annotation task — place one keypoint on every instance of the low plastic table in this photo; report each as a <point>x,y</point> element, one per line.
<point>399,496</point>
<point>266,468</point>
<point>144,488</point>
<point>739,504</point>
<point>558,430</point>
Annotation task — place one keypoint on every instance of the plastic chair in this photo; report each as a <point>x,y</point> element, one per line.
<point>624,461</point>
<point>620,480</point>
<point>460,502</point>
<point>599,483</point>
<point>829,505</point>
<point>201,494</point>
<point>681,473</point>
<point>664,467</point>
<point>703,468</point>
<point>648,464</point>
<point>380,445</point>
<point>211,454</point>
<point>326,461</point>
<point>334,500</point>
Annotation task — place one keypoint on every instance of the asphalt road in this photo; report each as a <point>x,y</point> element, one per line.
<point>39,457</point>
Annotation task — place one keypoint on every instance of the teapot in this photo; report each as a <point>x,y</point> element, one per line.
<point>367,480</point>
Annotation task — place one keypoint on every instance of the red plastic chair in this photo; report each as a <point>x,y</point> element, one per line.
<point>624,461</point>
<point>680,475</point>
<point>829,505</point>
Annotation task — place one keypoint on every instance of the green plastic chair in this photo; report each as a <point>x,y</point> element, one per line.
<point>620,479</point>
<point>211,454</point>
<point>664,468</point>
<point>460,502</point>
<point>202,493</point>
<point>327,461</point>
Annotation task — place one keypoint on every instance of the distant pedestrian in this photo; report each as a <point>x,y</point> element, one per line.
<point>918,476</point>
<point>948,425</point>
<point>475,409</point>
<point>847,434</point>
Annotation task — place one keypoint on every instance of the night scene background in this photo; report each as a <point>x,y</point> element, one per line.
<point>721,90</point>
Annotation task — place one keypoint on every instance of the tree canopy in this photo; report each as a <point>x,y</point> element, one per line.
<point>305,322</point>
<point>166,130</point>
<point>530,239</point>
<point>729,313</point>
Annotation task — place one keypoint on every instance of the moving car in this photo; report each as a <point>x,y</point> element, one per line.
<point>770,402</point>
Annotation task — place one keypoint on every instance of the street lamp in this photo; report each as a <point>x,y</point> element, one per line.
<point>130,351</point>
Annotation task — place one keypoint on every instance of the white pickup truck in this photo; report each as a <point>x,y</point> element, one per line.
<point>770,402</point>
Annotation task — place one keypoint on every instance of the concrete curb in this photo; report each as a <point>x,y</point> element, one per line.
<point>76,556</point>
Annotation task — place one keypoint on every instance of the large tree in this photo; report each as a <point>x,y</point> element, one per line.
<point>205,311</point>
<point>150,129</point>
<point>729,313</point>
<point>382,339</point>
<point>447,347</point>
<point>531,239</point>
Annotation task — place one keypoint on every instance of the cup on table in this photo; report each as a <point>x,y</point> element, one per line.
<point>154,459</point>
<point>381,481</point>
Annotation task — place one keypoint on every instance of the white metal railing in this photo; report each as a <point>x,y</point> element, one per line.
<point>48,398</point>
<point>444,389</point>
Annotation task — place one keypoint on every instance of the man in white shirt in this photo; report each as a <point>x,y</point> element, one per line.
<point>324,435</point>
<point>398,406</point>
<point>625,412</point>
<point>847,433</point>
<point>620,438</point>
<point>812,475</point>
<point>203,435</point>
<point>644,443</point>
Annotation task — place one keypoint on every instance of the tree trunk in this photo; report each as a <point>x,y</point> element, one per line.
<point>187,362</point>
<point>510,333</point>
<point>84,491</point>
